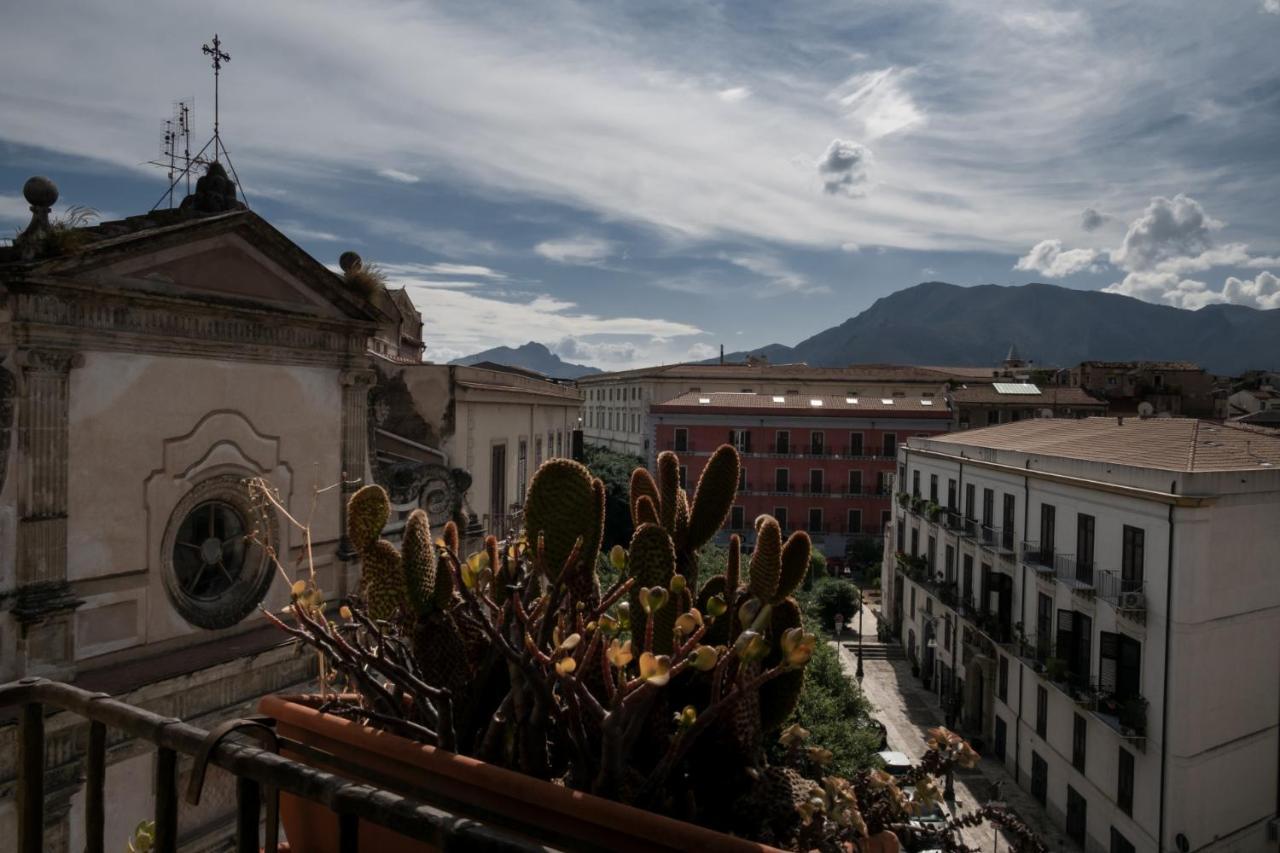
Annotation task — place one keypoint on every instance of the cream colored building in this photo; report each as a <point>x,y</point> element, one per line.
<point>616,405</point>
<point>1101,598</point>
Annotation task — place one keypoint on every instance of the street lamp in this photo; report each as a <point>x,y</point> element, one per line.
<point>858,672</point>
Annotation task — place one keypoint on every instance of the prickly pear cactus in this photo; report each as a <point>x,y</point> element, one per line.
<point>367,513</point>
<point>794,564</point>
<point>778,698</point>
<point>652,562</point>
<point>418,556</point>
<point>382,580</point>
<point>713,499</point>
<point>643,486</point>
<point>766,561</point>
<point>563,505</point>
<point>668,488</point>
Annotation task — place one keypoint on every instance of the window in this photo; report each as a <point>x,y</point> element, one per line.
<point>885,515</point>
<point>1079,737</point>
<point>915,542</point>
<point>497,487</point>
<point>684,476</point>
<point>780,513</point>
<point>1008,522</point>
<point>855,444</point>
<point>988,507</point>
<point>966,589</point>
<point>1119,665</point>
<point>742,479</point>
<point>913,602</point>
<point>1120,844</point>
<point>815,520</point>
<point>855,482</point>
<point>1075,644</point>
<point>951,494</point>
<point>740,439</point>
<point>915,484</point>
<point>737,518</point>
<point>1046,532</point>
<point>933,556</point>
<point>890,444</point>
<point>782,442</point>
<point>522,465</point>
<point>1002,680</point>
<point>1124,782</point>
<point>537,451</point>
<point>1132,558</point>
<point>815,481</point>
<point>1039,778</point>
<point>782,480</point>
<point>946,633</point>
<point>1044,625</point>
<point>817,443</point>
<point>1077,815</point>
<point>933,487</point>
<point>855,521</point>
<point>1042,710</point>
<point>682,439</point>
<point>949,564</point>
<point>884,482</point>
<point>1084,547</point>
<point>1002,737</point>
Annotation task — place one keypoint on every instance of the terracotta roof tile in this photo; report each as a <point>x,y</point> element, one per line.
<point>1172,444</point>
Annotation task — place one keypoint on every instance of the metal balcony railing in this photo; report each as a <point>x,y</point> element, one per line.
<point>259,773</point>
<point>1036,558</point>
<point>1076,574</point>
<point>1125,594</point>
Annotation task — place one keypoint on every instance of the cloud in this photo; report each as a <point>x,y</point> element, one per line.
<point>595,352</point>
<point>1045,22</point>
<point>299,231</point>
<point>1049,259</point>
<point>398,176</point>
<point>879,101</point>
<point>741,93</point>
<point>1167,229</point>
<point>442,269</point>
<point>1262,292</point>
<point>1272,6</point>
<point>784,280</point>
<point>1092,220</point>
<point>702,352</point>
<point>585,251</point>
<point>843,167</point>
<point>1168,288</point>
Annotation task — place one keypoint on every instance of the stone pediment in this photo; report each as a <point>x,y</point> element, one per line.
<point>223,267</point>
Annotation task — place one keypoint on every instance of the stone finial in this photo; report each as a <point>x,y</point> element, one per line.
<point>215,193</point>
<point>41,193</point>
<point>349,261</point>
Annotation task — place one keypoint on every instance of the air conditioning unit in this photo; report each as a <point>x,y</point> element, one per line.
<point>1132,601</point>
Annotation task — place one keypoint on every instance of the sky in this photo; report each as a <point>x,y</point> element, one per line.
<point>640,182</point>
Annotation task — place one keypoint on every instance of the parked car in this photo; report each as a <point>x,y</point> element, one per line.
<point>895,763</point>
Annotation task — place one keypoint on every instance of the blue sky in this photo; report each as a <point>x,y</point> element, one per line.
<point>640,182</point>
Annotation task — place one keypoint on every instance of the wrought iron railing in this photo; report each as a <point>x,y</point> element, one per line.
<point>1125,594</point>
<point>1036,557</point>
<point>260,774</point>
<point>1077,574</point>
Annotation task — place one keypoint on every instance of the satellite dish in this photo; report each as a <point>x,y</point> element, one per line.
<point>1145,409</point>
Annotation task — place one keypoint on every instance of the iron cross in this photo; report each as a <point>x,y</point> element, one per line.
<point>218,58</point>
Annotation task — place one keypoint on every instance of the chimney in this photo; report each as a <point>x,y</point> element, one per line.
<point>722,353</point>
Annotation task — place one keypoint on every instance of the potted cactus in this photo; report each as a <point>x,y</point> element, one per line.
<point>511,685</point>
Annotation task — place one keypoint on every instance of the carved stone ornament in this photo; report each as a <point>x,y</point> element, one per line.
<point>215,570</point>
<point>435,488</point>
<point>49,360</point>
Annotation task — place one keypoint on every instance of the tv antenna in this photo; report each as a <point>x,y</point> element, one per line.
<point>179,129</point>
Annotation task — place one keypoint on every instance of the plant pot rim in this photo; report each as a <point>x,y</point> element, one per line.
<point>295,710</point>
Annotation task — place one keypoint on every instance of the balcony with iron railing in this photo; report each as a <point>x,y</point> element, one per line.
<point>261,776</point>
<point>1037,558</point>
<point>1127,595</point>
<point>1076,575</point>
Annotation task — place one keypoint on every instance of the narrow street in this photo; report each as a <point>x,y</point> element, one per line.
<point>908,711</point>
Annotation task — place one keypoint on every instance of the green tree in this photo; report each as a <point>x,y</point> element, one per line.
<point>817,568</point>
<point>862,553</point>
<point>832,597</point>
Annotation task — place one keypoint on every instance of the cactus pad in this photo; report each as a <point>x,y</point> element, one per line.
<point>382,580</point>
<point>418,555</point>
<point>652,561</point>
<point>642,486</point>
<point>795,563</point>
<point>766,561</point>
<point>668,488</point>
<point>562,505</point>
<point>717,488</point>
<point>778,698</point>
<point>367,513</point>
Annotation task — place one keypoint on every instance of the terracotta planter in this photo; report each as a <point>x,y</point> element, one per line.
<point>470,787</point>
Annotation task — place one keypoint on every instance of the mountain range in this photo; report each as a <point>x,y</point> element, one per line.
<point>531,356</point>
<point>936,323</point>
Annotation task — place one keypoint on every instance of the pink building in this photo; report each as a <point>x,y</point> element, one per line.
<point>819,463</point>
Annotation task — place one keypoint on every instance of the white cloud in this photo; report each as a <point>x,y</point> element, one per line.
<point>702,352</point>
<point>1168,288</point>
<point>442,269</point>
<point>1262,262</point>
<point>595,352</point>
<point>1167,229</point>
<point>850,247</point>
<point>298,231</point>
<point>1045,22</point>
<point>460,321</point>
<point>399,176</point>
<point>1092,220</point>
<point>784,280</point>
<point>1262,292</point>
<point>1272,6</point>
<point>1049,259</point>
<point>586,251</point>
<point>879,102</point>
<point>741,93</point>
<point>1230,255</point>
<point>843,167</point>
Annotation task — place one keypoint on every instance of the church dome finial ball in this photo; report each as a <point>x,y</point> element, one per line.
<point>40,191</point>
<point>349,261</point>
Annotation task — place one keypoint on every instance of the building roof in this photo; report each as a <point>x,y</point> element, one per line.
<point>1142,365</point>
<point>803,405</point>
<point>799,371</point>
<point>1171,444</point>
<point>1002,393</point>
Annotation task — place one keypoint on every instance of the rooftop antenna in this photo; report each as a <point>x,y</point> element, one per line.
<point>184,125</point>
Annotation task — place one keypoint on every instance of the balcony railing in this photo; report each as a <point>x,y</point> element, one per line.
<point>1125,594</point>
<point>1076,574</point>
<point>1036,558</point>
<point>259,773</point>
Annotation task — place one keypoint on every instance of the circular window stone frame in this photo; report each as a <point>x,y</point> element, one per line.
<point>254,580</point>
